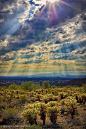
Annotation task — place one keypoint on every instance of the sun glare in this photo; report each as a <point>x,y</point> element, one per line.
<point>45,1</point>
<point>52,1</point>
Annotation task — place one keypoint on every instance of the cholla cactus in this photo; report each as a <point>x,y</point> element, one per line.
<point>83,97</point>
<point>62,102</point>
<point>45,99</point>
<point>29,106</point>
<point>53,109</point>
<point>52,103</point>
<point>55,98</point>
<point>76,96</point>
<point>17,91</point>
<point>50,97</point>
<point>30,112</point>
<point>42,107</point>
<point>38,97</point>
<point>22,98</point>
<point>30,115</point>
<point>71,105</point>
<point>62,95</point>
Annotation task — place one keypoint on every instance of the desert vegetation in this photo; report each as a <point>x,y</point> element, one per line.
<point>43,106</point>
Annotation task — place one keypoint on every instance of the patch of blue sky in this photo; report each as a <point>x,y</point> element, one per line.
<point>33,3</point>
<point>30,13</point>
<point>32,10</point>
<point>36,44</point>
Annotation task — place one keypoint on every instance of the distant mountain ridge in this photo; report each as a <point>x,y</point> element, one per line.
<point>40,76</point>
<point>57,81</point>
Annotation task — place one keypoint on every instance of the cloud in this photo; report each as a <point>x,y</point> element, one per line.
<point>39,44</point>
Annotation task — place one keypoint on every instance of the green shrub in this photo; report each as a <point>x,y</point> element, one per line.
<point>13,86</point>
<point>33,127</point>
<point>46,84</point>
<point>28,86</point>
<point>9,113</point>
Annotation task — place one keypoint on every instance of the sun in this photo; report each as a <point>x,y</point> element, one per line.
<point>52,1</point>
<point>45,1</point>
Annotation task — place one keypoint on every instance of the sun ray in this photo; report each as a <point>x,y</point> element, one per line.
<point>65,3</point>
<point>62,65</point>
<point>53,5</point>
<point>58,5</point>
<point>74,66</point>
<point>42,10</point>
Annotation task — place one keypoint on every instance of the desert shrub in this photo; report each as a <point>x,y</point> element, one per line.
<point>49,91</point>
<point>13,86</point>
<point>33,127</point>
<point>9,113</point>
<point>84,88</point>
<point>28,86</point>
<point>46,84</point>
<point>28,94</point>
<point>54,86</point>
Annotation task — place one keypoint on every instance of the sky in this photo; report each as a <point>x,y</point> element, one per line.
<point>39,37</point>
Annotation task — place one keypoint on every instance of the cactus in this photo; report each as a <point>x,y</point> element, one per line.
<point>30,115</point>
<point>71,105</point>
<point>53,109</point>
<point>43,110</point>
